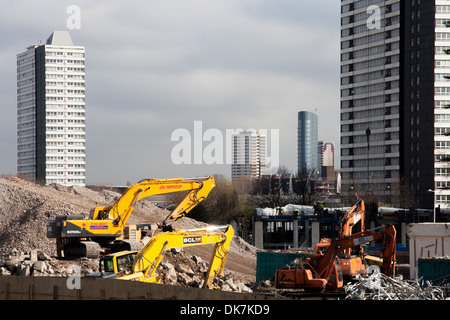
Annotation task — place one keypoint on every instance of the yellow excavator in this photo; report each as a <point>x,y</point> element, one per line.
<point>142,265</point>
<point>106,229</point>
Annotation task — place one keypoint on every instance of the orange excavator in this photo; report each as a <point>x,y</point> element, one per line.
<point>322,271</point>
<point>351,265</point>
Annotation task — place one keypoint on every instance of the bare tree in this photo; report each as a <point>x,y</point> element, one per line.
<point>402,196</point>
<point>306,186</point>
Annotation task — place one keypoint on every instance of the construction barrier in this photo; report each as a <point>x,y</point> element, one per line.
<point>59,288</point>
<point>435,270</point>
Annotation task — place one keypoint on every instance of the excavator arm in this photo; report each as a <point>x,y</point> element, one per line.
<point>389,251</point>
<point>199,190</point>
<point>352,217</point>
<point>195,196</point>
<point>110,221</point>
<point>148,258</point>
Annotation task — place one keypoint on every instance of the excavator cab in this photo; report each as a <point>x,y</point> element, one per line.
<point>125,263</point>
<point>115,264</point>
<point>99,213</point>
<point>323,245</point>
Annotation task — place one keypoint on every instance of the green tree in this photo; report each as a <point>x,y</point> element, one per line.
<point>222,205</point>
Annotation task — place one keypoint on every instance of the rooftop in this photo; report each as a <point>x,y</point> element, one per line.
<point>60,38</point>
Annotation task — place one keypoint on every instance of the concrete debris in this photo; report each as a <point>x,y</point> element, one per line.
<point>378,286</point>
<point>182,270</point>
<point>36,263</point>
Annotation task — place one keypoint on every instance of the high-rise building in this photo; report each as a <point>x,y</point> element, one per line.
<point>328,154</point>
<point>51,111</point>
<point>249,155</point>
<point>325,152</point>
<point>307,143</point>
<point>395,88</point>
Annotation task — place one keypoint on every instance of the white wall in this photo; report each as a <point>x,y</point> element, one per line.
<point>427,240</point>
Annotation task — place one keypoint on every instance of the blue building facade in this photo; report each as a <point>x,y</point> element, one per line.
<point>307,139</point>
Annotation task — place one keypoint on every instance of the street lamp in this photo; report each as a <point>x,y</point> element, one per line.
<point>434,204</point>
<point>368,158</point>
<point>390,198</point>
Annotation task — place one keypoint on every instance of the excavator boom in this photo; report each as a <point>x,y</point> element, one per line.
<point>199,190</point>
<point>351,218</point>
<point>357,239</point>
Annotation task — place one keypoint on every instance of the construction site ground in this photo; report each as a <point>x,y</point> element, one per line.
<point>25,208</point>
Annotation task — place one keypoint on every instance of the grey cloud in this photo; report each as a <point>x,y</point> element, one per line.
<point>155,66</point>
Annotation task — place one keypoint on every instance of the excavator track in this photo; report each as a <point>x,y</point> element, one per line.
<point>87,249</point>
<point>319,294</point>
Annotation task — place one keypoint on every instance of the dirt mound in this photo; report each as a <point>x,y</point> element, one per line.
<point>26,207</point>
<point>24,211</point>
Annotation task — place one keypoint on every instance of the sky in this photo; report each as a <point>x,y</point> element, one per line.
<point>155,68</point>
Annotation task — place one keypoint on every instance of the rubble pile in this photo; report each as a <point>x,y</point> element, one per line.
<point>25,250</point>
<point>177,268</point>
<point>23,216</point>
<point>381,287</point>
<point>37,263</point>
